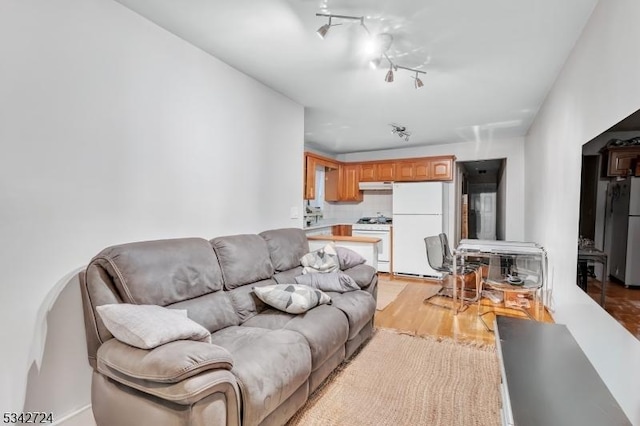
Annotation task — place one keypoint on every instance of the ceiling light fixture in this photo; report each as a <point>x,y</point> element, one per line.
<point>401,131</point>
<point>384,41</point>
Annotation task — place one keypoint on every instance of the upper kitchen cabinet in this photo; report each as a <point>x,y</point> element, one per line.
<point>309,190</point>
<point>342,184</point>
<point>349,182</point>
<point>621,161</point>
<point>368,172</point>
<point>440,168</point>
<point>313,163</point>
<point>341,180</point>
<point>377,171</point>
<point>386,171</point>
<point>425,169</point>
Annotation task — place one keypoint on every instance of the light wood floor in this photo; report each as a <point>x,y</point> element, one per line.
<point>409,314</point>
<point>622,303</point>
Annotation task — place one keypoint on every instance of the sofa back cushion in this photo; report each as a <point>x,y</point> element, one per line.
<point>244,259</point>
<point>286,247</point>
<point>162,272</point>
<point>179,273</point>
<point>245,301</point>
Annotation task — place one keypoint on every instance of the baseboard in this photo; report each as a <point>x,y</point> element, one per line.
<point>80,417</point>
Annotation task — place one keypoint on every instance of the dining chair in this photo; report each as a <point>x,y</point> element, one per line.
<point>440,259</point>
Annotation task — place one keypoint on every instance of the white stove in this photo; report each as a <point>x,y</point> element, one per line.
<point>376,228</point>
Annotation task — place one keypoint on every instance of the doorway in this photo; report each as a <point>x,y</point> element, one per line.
<point>482,189</point>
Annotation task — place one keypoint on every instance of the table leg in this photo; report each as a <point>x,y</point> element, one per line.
<point>604,283</point>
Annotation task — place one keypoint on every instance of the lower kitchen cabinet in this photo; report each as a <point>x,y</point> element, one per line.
<point>341,230</point>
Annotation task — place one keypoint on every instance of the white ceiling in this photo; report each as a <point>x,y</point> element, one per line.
<point>489,63</point>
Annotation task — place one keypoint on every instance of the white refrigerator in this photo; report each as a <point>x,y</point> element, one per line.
<point>419,211</point>
<point>625,231</point>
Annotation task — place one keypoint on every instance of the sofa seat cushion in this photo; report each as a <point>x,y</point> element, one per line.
<point>362,274</point>
<point>324,327</point>
<point>359,307</point>
<point>270,366</point>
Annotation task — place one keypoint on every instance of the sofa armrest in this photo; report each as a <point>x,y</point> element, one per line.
<point>168,363</point>
<point>182,372</point>
<point>363,275</point>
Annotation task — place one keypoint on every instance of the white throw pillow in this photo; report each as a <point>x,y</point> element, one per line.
<point>291,298</point>
<point>148,326</point>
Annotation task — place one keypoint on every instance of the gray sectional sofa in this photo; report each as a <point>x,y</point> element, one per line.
<point>261,365</point>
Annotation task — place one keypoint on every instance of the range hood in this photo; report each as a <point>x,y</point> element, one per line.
<point>376,186</point>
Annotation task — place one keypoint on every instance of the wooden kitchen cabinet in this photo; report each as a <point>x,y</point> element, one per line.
<point>377,171</point>
<point>309,190</point>
<point>341,230</point>
<point>349,182</point>
<point>342,179</point>
<point>404,171</point>
<point>385,171</point>
<point>620,160</point>
<point>441,169</point>
<point>342,184</point>
<point>424,169</point>
<point>368,172</point>
<point>311,164</point>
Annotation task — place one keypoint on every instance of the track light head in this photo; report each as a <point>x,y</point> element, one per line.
<point>419,83</point>
<point>323,30</point>
<point>389,77</point>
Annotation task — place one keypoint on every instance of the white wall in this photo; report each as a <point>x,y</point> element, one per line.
<point>373,202</point>
<point>598,86</point>
<point>511,149</point>
<point>113,130</point>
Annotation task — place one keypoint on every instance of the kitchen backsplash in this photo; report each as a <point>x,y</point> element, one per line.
<point>373,202</point>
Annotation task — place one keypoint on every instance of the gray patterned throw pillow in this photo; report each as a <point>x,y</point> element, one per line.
<point>322,260</point>
<point>291,298</point>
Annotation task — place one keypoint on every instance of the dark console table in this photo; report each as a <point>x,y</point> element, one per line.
<point>592,255</point>
<point>548,380</point>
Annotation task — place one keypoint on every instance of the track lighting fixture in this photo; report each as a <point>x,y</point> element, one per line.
<point>400,131</point>
<point>384,42</point>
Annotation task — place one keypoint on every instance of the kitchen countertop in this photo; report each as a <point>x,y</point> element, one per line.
<point>324,223</point>
<point>344,238</point>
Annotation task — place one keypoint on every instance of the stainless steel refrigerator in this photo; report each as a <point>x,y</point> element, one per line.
<point>624,257</point>
<point>419,211</point>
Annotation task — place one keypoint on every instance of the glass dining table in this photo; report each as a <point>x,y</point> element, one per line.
<point>514,268</point>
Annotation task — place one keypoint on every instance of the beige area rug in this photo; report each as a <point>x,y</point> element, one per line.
<point>388,291</point>
<point>399,380</point>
